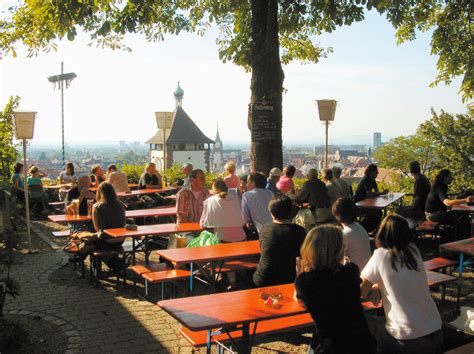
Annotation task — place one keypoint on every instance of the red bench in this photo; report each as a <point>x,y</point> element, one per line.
<point>427,227</point>
<point>436,279</point>
<point>439,263</point>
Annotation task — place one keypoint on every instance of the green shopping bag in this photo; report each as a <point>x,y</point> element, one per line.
<point>206,238</point>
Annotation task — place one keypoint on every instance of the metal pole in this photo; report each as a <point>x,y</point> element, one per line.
<point>164,147</point>
<point>61,82</point>
<point>326,150</point>
<point>27,202</point>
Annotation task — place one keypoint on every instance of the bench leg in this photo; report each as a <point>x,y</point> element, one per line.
<point>461,260</point>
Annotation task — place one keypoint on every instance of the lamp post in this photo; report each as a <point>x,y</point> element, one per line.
<point>60,80</point>
<point>164,121</point>
<point>327,111</point>
<point>25,124</point>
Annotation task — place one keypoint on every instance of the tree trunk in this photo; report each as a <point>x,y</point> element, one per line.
<point>265,108</point>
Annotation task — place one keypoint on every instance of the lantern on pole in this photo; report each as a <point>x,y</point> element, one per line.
<point>25,126</point>
<point>327,112</point>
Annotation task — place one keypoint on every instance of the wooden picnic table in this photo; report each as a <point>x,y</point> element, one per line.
<point>462,247</point>
<point>463,208</point>
<point>147,231</point>
<point>215,255</point>
<point>139,192</point>
<point>58,186</point>
<point>380,202</point>
<point>130,185</point>
<point>243,307</point>
<point>140,213</point>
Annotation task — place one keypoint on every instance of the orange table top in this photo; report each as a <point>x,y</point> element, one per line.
<point>464,208</point>
<point>141,213</point>
<point>58,186</point>
<point>227,251</point>
<point>130,185</point>
<point>158,229</point>
<point>143,192</point>
<point>380,202</point>
<point>462,246</point>
<point>232,308</point>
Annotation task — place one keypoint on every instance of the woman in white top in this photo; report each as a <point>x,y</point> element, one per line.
<point>68,175</point>
<point>412,322</point>
<point>222,212</point>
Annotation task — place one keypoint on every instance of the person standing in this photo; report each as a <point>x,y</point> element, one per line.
<point>18,182</point>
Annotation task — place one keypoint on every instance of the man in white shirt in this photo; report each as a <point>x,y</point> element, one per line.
<point>117,179</point>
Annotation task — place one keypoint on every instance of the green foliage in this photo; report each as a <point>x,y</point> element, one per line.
<point>399,151</point>
<point>299,183</point>
<point>174,173</point>
<point>452,146</point>
<point>444,141</point>
<point>8,153</point>
<point>133,171</point>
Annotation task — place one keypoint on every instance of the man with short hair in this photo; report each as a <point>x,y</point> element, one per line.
<point>420,193</point>
<point>315,192</point>
<point>346,189</point>
<point>273,178</point>
<point>190,200</point>
<point>117,179</point>
<point>334,192</point>
<point>255,202</point>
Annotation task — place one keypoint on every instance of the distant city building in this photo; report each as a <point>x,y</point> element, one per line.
<point>319,150</point>
<point>180,142</point>
<point>123,146</point>
<point>217,156</point>
<point>377,141</point>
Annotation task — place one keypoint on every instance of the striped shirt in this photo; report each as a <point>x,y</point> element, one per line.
<point>189,207</point>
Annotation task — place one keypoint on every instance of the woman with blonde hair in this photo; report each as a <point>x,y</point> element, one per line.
<point>231,180</point>
<point>150,178</point>
<point>330,291</point>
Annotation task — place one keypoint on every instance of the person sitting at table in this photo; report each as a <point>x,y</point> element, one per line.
<point>68,175</point>
<point>107,213</point>
<point>242,188</point>
<point>368,188</point>
<point>280,243</point>
<point>255,204</point>
<point>190,200</point>
<point>18,183</point>
<point>273,178</point>
<point>412,322</point>
<point>346,189</point>
<point>421,189</point>
<point>151,178</point>
<point>356,239</point>
<point>285,184</point>
<point>329,289</point>
<point>222,213</point>
<point>37,195</point>
<point>231,180</point>
<point>117,179</point>
<point>187,169</point>
<point>438,203</point>
<point>97,175</point>
<point>315,192</point>
<point>334,192</point>
<point>81,192</point>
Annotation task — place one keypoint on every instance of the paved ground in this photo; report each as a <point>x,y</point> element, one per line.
<point>103,319</point>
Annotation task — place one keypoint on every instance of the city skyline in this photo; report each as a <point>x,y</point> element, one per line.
<point>380,87</point>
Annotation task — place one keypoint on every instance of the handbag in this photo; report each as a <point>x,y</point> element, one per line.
<point>77,240</point>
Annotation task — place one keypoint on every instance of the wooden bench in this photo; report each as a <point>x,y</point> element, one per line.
<point>286,324</point>
<point>165,276</point>
<point>64,233</point>
<point>439,263</point>
<point>436,279</point>
<point>57,205</point>
<point>97,256</point>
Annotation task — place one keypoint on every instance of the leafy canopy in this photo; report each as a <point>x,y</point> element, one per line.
<point>8,152</point>
<point>39,23</point>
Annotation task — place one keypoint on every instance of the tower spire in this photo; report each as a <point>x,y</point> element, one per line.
<point>178,95</point>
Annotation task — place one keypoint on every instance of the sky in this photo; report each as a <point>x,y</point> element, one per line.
<point>379,86</point>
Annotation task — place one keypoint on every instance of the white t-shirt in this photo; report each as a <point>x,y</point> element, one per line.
<point>119,181</point>
<point>409,309</point>
<point>224,215</point>
<point>356,244</point>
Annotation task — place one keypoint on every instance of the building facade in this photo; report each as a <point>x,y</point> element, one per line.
<point>178,139</point>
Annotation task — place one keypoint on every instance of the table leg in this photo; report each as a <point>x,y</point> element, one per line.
<point>134,245</point>
<point>461,261</point>
<point>191,278</point>
<point>146,251</point>
<point>245,341</point>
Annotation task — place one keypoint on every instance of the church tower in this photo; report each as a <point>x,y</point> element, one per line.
<point>217,153</point>
<point>178,96</point>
